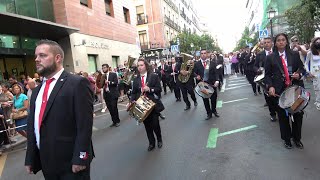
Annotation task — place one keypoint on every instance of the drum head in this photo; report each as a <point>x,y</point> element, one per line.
<point>204,90</point>
<point>290,96</point>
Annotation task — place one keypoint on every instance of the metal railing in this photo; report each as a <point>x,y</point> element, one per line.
<point>142,20</point>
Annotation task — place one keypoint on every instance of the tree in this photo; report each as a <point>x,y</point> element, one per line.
<point>199,42</point>
<point>304,19</point>
<point>246,39</point>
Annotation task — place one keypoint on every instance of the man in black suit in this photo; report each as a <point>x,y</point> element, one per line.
<point>163,68</point>
<point>148,83</point>
<point>187,87</point>
<point>259,63</point>
<point>278,66</point>
<point>174,72</point>
<point>60,119</point>
<point>206,71</point>
<point>109,82</point>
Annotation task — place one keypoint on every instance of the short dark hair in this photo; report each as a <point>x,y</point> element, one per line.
<point>203,50</point>
<point>6,85</point>
<point>13,77</point>
<point>267,38</point>
<point>54,46</point>
<point>107,65</point>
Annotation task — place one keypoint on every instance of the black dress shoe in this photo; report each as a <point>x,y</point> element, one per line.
<point>260,92</point>
<point>162,116</point>
<point>195,104</point>
<point>216,114</point>
<point>273,118</point>
<point>179,100</point>
<point>165,93</point>
<point>298,144</point>
<point>113,124</point>
<point>265,105</point>
<point>159,144</point>
<point>117,125</point>
<point>209,117</point>
<point>151,147</point>
<point>187,108</point>
<point>288,144</point>
<point>255,94</point>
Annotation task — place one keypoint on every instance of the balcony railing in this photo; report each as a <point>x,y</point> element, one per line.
<point>142,20</point>
<point>151,45</point>
<point>172,5</point>
<point>171,23</point>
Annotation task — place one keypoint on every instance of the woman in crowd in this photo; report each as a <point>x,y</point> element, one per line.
<point>20,103</point>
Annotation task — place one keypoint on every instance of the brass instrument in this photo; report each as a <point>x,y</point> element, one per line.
<point>187,65</point>
<point>128,75</point>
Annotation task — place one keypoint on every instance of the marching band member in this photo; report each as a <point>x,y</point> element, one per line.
<point>260,61</point>
<point>174,72</point>
<point>109,82</point>
<point>163,68</point>
<point>148,83</point>
<point>278,66</point>
<point>187,87</point>
<point>206,71</point>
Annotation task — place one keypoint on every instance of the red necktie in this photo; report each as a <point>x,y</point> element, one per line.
<point>44,100</point>
<point>142,82</point>
<point>285,69</point>
<point>204,64</point>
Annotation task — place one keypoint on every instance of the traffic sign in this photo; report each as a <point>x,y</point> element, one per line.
<point>175,48</point>
<point>263,33</point>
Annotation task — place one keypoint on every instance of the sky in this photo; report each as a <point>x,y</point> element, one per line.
<point>225,19</point>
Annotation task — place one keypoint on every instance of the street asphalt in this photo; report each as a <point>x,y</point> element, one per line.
<point>242,144</point>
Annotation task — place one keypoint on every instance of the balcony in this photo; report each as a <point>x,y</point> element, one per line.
<point>142,20</point>
<point>171,23</point>
<point>150,45</point>
<point>144,45</point>
<point>182,14</point>
<point>172,5</point>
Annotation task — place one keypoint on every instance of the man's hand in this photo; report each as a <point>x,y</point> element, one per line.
<point>296,76</point>
<point>29,169</point>
<point>216,84</point>
<point>272,91</point>
<point>77,168</point>
<point>184,72</point>
<point>146,89</point>
<point>173,73</point>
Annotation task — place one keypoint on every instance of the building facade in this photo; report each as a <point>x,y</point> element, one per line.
<point>159,23</point>
<point>91,32</point>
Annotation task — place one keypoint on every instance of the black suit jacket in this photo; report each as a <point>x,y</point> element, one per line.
<point>166,69</point>
<point>113,85</point>
<point>273,75</point>
<point>153,82</point>
<point>213,75</point>
<point>260,60</point>
<point>66,128</point>
<point>176,70</point>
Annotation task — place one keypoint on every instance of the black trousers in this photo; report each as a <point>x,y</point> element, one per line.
<point>152,125</point>
<point>287,131</point>
<point>213,103</point>
<point>242,68</point>
<point>164,84</point>
<point>82,175</point>
<point>271,104</point>
<point>176,88</point>
<point>185,89</point>
<point>112,105</point>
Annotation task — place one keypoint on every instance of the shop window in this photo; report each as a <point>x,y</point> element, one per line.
<point>126,15</point>
<point>8,41</point>
<point>28,43</point>
<point>109,7</point>
<point>92,61</point>
<point>115,61</point>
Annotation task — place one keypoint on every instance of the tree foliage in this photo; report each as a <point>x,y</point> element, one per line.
<point>304,19</point>
<point>246,39</point>
<point>199,42</point>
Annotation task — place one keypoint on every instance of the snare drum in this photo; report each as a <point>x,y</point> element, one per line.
<point>294,99</point>
<point>204,90</point>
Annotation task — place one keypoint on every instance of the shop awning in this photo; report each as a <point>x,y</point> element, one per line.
<point>14,24</point>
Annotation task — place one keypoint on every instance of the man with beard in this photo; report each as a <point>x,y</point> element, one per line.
<point>60,119</point>
<point>109,82</point>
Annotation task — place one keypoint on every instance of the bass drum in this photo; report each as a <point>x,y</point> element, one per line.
<point>204,90</point>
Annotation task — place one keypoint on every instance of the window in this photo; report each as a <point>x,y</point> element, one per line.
<point>126,15</point>
<point>84,2</point>
<point>115,61</point>
<point>143,39</point>
<point>109,7</point>
<point>92,61</point>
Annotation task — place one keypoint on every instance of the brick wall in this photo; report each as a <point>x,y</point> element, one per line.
<point>94,20</point>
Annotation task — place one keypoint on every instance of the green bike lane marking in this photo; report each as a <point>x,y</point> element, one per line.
<point>213,135</point>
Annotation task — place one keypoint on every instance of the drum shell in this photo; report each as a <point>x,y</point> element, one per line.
<point>204,86</point>
<point>296,102</point>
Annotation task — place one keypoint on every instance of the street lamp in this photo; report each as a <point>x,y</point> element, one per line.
<point>271,14</point>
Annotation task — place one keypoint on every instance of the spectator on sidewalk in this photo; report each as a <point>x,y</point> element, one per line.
<point>7,105</point>
<point>20,103</point>
<point>31,84</point>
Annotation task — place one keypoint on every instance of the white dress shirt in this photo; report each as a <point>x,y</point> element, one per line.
<point>39,102</point>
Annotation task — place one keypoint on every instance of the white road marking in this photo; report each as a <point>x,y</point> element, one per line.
<point>237,80</point>
<point>238,84</point>
<point>234,100</point>
<point>94,128</point>
<point>224,85</point>
<point>237,87</point>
